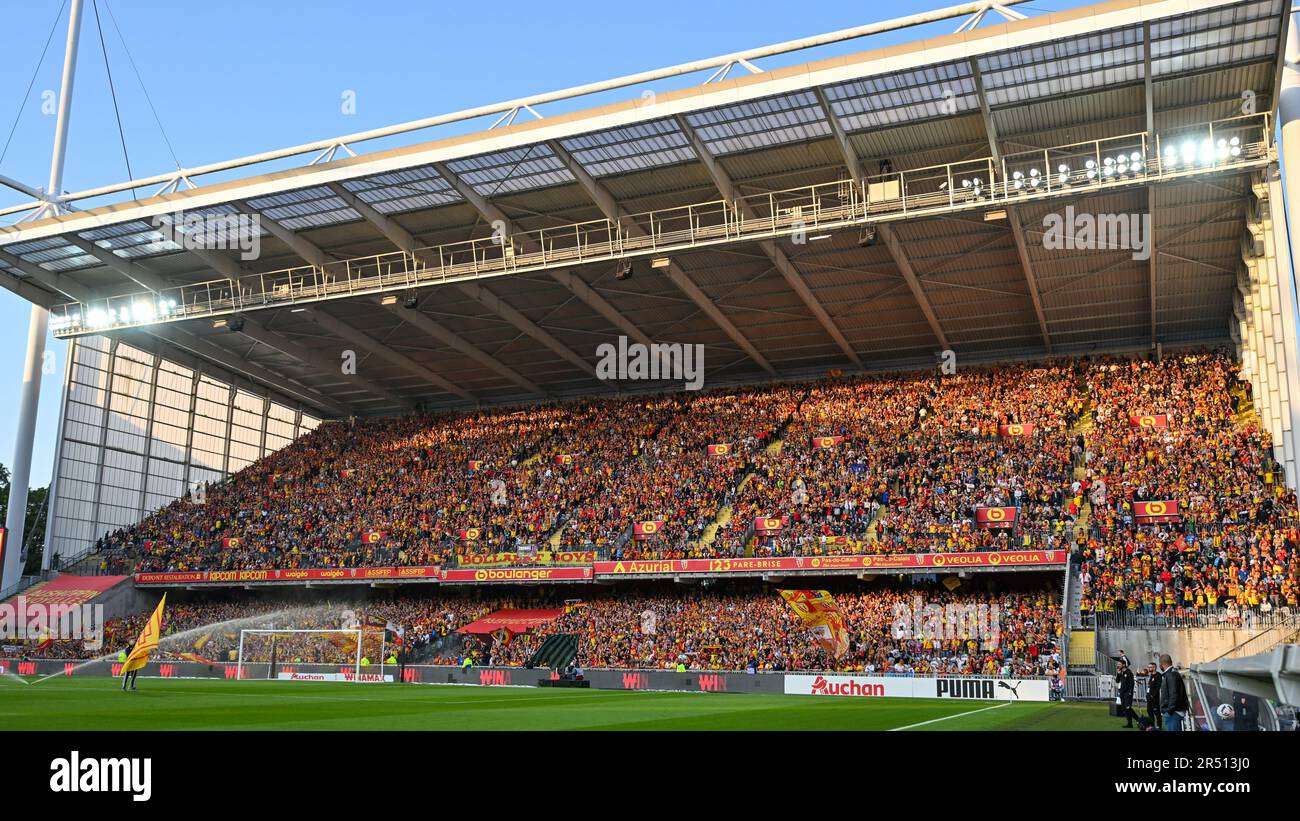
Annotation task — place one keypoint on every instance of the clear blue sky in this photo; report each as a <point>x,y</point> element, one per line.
<point>241,77</point>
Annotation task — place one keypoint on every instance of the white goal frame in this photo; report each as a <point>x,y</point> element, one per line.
<point>239,668</point>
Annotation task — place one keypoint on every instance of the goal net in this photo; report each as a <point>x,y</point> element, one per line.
<point>268,653</point>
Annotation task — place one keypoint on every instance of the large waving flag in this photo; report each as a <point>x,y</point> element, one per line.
<point>822,616</point>
<point>148,641</point>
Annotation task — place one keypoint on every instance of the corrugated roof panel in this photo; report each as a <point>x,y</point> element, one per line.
<point>1063,66</point>
<point>306,208</point>
<point>1218,37</point>
<point>408,189</point>
<point>904,97</point>
<point>519,169</point>
<point>757,124</point>
<point>632,148</point>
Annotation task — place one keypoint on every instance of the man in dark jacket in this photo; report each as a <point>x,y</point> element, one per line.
<point>1173,695</point>
<point>1245,713</point>
<point>1153,696</point>
<point>1124,683</point>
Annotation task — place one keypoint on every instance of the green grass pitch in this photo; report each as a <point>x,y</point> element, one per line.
<point>176,704</point>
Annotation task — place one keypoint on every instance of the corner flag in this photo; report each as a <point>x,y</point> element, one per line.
<point>148,641</point>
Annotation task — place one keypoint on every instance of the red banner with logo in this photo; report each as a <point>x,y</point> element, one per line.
<point>470,534</point>
<point>475,464</point>
<point>720,449</point>
<point>372,536</point>
<point>1021,429</point>
<point>231,541</point>
<point>995,517</point>
<point>514,621</point>
<point>1157,512</point>
<point>1157,420</point>
<point>645,530</point>
<point>516,574</point>
<point>826,441</point>
<point>564,459</point>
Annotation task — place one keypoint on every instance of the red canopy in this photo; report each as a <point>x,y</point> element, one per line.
<point>516,621</point>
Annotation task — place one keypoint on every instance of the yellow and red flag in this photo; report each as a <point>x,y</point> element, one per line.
<point>820,613</point>
<point>995,517</point>
<point>564,459</point>
<point>1154,420</point>
<point>470,534</point>
<point>372,536</point>
<point>230,541</point>
<point>768,524</point>
<point>826,441</point>
<point>1016,429</point>
<point>475,464</point>
<point>645,530</point>
<point>1157,512</point>
<point>720,449</point>
<point>148,641</point>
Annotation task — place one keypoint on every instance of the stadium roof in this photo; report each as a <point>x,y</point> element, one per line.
<point>736,189</point>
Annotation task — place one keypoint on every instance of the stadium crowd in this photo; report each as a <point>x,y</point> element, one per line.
<point>747,626</point>
<point>890,463</point>
<point>1236,547</point>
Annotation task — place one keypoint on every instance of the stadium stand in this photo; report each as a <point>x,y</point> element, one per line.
<point>742,625</point>
<point>896,463</point>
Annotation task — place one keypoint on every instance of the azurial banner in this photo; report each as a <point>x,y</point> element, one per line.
<point>952,687</point>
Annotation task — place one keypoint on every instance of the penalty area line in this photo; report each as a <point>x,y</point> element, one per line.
<point>945,718</point>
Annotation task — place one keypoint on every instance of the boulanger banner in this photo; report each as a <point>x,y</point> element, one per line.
<point>516,574</point>
<point>950,687</point>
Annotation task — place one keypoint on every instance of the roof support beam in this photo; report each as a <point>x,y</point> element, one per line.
<point>300,246</point>
<point>200,347</point>
<point>614,212</point>
<point>913,284</point>
<point>572,281</point>
<point>886,232</point>
<point>579,287</point>
<point>405,241</point>
<point>414,317</point>
<point>1146,77</point>
<point>206,350</point>
<point>726,186</point>
<point>1013,216</point>
<point>58,282</point>
<point>1017,231</point>
<point>131,270</point>
<point>333,325</point>
<point>310,252</point>
<point>1151,261</point>
<point>25,289</point>
<point>317,361</point>
<point>851,161</point>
